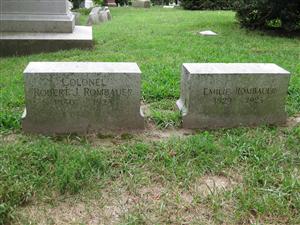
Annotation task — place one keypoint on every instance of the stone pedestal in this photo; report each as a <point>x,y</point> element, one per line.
<point>28,25</point>
<point>36,16</point>
<point>23,43</point>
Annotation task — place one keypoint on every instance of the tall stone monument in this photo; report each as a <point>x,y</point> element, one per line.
<point>30,26</point>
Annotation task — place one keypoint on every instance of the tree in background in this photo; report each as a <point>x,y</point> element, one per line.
<point>76,3</point>
<point>207,4</point>
<point>99,2</point>
<point>257,14</point>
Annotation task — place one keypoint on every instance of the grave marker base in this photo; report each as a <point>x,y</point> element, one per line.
<point>21,43</point>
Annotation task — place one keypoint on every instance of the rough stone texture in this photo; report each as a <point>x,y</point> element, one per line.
<point>231,95</point>
<point>70,5</point>
<point>98,15</point>
<point>68,97</point>
<point>109,16</point>
<point>36,16</point>
<point>95,10</point>
<point>141,4</point>
<point>77,18</point>
<point>29,43</point>
<point>103,17</point>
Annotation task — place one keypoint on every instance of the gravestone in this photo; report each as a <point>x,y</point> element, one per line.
<point>77,18</point>
<point>110,3</point>
<point>32,26</point>
<point>208,33</point>
<point>168,6</point>
<point>216,95</point>
<point>88,4</point>
<point>141,4</point>
<point>109,16</point>
<point>66,97</point>
<point>98,15</point>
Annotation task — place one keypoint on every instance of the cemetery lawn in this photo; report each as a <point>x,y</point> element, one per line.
<point>164,175</point>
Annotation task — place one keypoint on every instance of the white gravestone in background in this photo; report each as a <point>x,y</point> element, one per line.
<point>88,4</point>
<point>50,16</point>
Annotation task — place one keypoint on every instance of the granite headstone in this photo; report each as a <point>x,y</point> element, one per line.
<point>215,95</point>
<point>82,97</point>
<point>141,4</point>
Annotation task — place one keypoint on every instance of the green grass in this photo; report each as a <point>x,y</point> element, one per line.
<point>36,169</point>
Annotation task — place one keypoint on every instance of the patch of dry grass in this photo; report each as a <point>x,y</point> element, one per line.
<point>154,203</point>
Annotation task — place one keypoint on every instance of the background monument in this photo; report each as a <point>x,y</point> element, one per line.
<point>30,26</point>
<point>36,16</point>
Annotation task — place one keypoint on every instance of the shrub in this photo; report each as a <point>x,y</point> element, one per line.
<point>122,2</point>
<point>83,11</point>
<point>284,14</point>
<point>76,3</point>
<point>207,4</point>
<point>99,2</point>
<point>162,2</point>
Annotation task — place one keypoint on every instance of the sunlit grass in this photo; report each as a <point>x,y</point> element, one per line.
<point>32,168</point>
